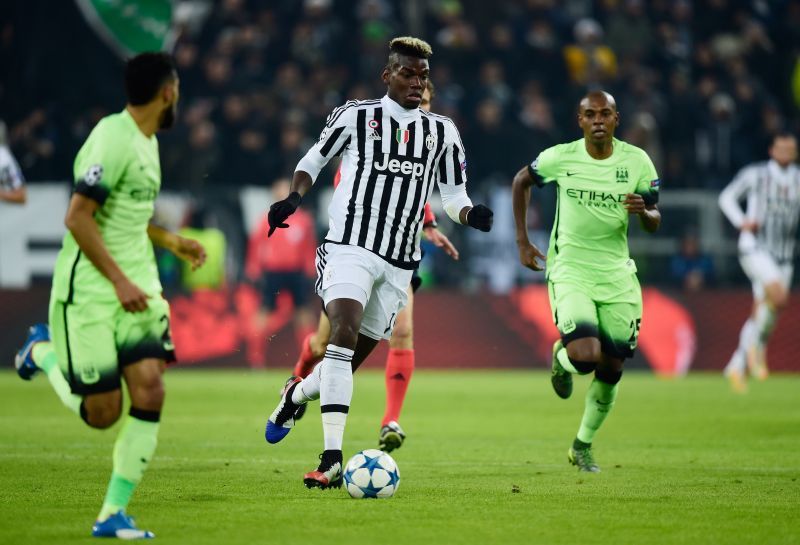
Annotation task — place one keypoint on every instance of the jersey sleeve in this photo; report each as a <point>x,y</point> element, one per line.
<point>730,196</point>
<point>100,163</point>
<point>333,140</point>
<point>452,174</point>
<point>11,177</point>
<point>648,185</point>
<point>544,169</point>
<point>453,164</point>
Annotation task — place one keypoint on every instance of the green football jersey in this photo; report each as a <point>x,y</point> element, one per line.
<point>117,166</point>
<point>589,240</point>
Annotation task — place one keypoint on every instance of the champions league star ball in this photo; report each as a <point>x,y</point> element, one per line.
<point>371,474</point>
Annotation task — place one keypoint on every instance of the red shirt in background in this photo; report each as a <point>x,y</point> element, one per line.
<point>287,250</point>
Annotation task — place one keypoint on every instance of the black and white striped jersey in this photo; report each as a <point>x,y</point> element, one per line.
<point>391,158</point>
<point>772,194</point>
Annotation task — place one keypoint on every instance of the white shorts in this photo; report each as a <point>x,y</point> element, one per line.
<point>351,272</point>
<point>762,269</point>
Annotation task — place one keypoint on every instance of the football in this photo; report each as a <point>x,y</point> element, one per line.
<point>371,474</point>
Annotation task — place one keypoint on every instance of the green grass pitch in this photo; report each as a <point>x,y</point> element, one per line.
<point>684,461</point>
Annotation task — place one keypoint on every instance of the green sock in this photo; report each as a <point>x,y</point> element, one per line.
<point>135,446</point>
<point>44,355</point>
<point>563,359</point>
<point>599,401</point>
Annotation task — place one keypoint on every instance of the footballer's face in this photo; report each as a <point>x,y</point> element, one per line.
<point>784,150</point>
<point>170,94</point>
<point>407,80</point>
<point>598,117</point>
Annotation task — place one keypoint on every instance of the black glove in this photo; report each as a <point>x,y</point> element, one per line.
<point>281,210</point>
<point>480,217</point>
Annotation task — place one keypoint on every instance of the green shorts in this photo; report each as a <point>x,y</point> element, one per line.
<point>94,341</point>
<point>610,311</point>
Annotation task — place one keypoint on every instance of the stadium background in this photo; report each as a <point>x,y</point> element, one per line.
<point>701,86</point>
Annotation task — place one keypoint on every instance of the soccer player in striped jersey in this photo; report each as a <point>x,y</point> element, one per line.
<point>768,227</point>
<point>594,293</point>
<point>400,360</point>
<point>393,154</point>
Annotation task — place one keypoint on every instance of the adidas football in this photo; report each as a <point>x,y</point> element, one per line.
<point>371,474</point>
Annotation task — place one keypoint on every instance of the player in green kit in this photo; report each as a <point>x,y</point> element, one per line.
<point>594,293</point>
<point>107,317</point>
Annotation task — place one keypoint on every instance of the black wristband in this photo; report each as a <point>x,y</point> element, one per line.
<point>432,224</point>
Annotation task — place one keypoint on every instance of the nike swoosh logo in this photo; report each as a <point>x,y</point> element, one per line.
<point>571,173</point>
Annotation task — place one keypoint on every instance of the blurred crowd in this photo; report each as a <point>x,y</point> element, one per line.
<point>701,85</point>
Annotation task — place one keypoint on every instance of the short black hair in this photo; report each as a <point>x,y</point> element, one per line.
<point>145,74</point>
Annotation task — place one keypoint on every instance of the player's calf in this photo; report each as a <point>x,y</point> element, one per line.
<point>563,366</point>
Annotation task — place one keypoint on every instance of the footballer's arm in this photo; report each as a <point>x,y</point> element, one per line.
<point>185,248</point>
<point>520,197</point>
<point>17,196</point>
<point>81,223</point>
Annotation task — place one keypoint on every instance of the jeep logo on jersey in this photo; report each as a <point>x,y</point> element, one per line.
<point>402,136</point>
<point>622,175</point>
<point>396,166</point>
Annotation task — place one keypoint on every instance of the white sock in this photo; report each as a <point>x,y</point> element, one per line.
<point>336,392</point>
<point>308,389</point>
<point>765,322</point>
<point>738,361</point>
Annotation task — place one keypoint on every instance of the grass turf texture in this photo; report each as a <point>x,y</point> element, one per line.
<point>683,461</point>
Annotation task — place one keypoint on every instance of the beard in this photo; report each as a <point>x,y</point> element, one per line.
<point>168,116</point>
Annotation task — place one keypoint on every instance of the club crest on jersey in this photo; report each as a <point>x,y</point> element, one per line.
<point>568,326</point>
<point>622,175</point>
<point>402,136</point>
<point>430,141</point>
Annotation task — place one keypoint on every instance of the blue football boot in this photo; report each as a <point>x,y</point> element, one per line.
<point>281,421</point>
<point>121,526</point>
<point>26,367</point>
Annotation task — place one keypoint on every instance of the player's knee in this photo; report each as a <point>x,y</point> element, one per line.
<point>585,354</point>
<point>402,337</point>
<point>101,415</point>
<point>779,300</point>
<point>608,375</point>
